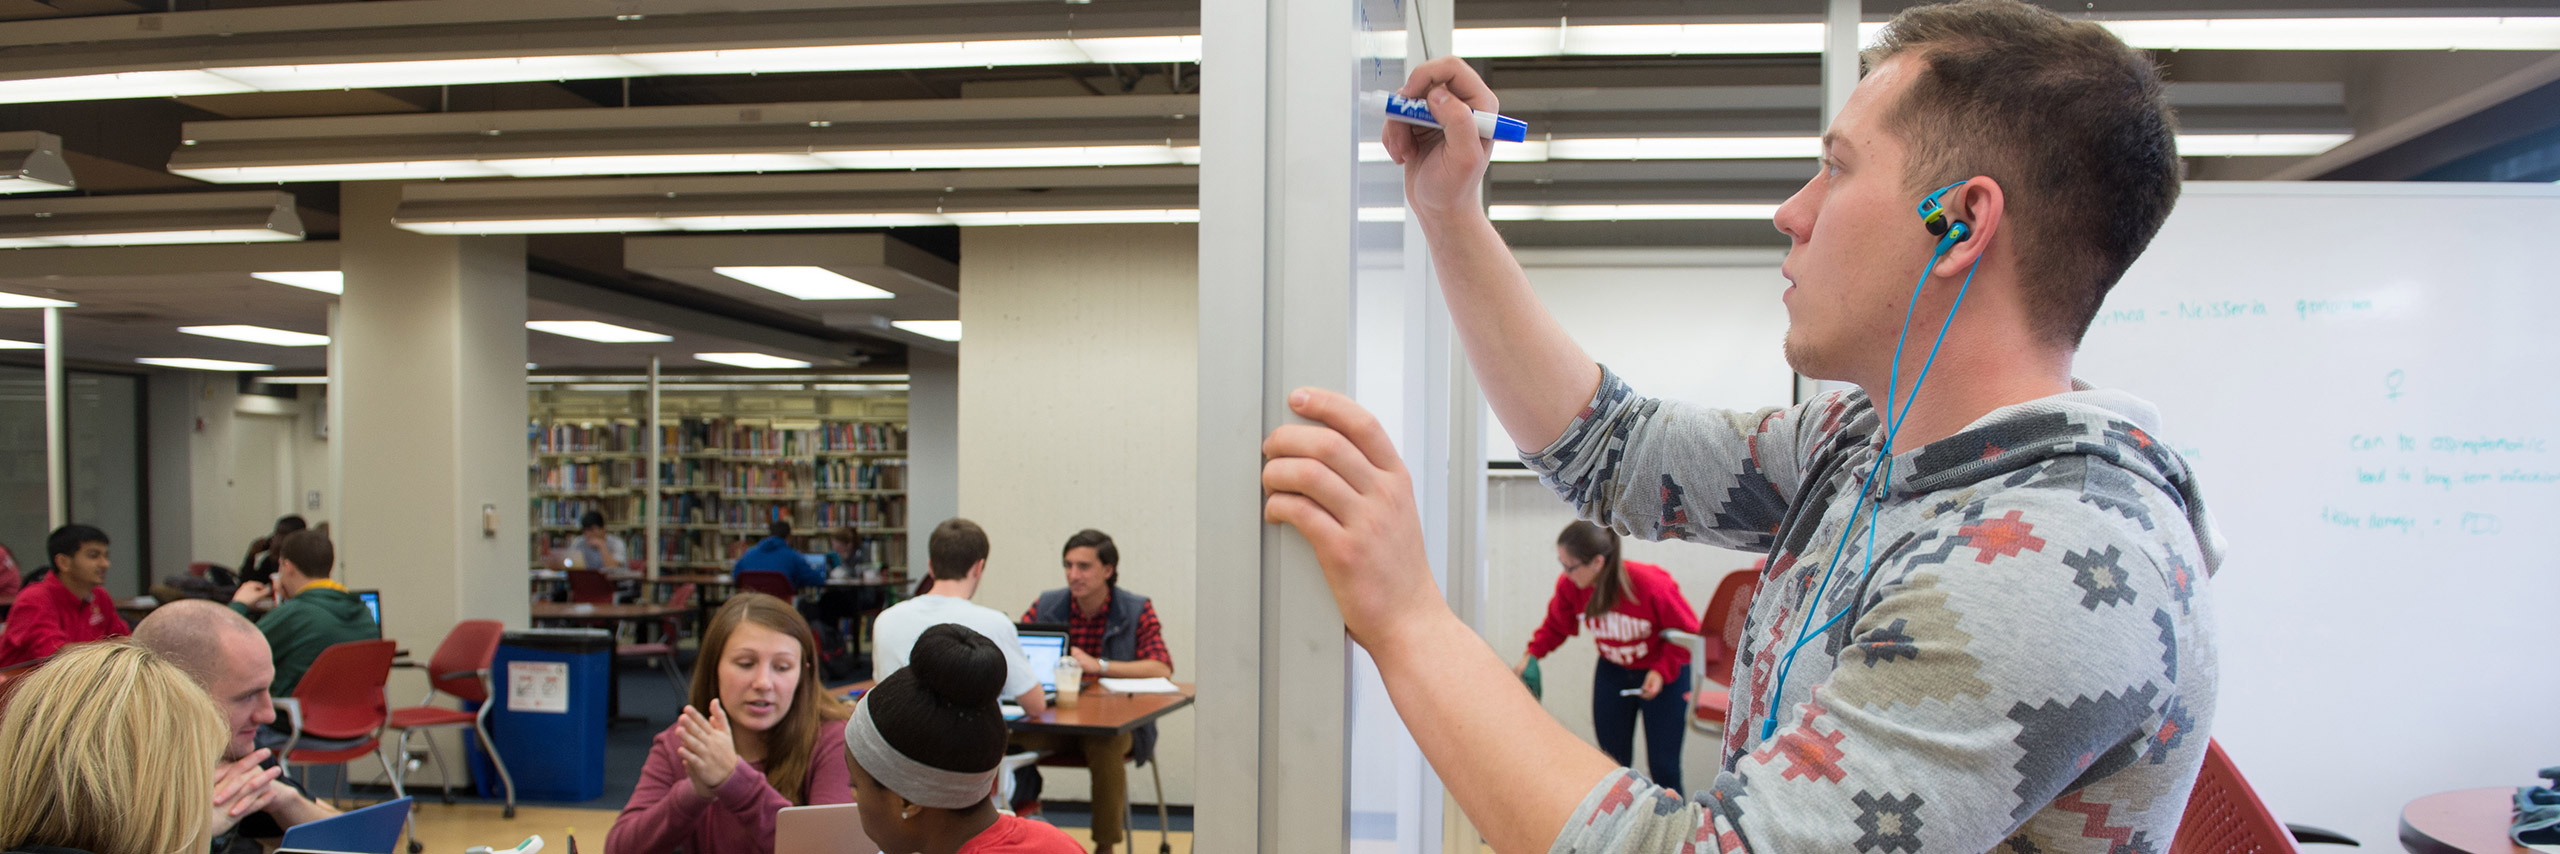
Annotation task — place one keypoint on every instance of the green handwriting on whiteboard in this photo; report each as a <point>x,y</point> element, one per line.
<point>2231,309</point>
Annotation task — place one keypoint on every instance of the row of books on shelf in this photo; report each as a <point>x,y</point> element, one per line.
<point>583,477</point>
<point>845,475</point>
<point>567,438</point>
<point>885,512</point>
<point>862,436</point>
<point>566,512</point>
<point>714,550</point>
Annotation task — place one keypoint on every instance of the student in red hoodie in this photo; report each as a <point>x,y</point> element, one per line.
<point>70,605</point>
<point>1627,606</point>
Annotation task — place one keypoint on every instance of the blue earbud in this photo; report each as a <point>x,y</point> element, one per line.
<point>1950,232</point>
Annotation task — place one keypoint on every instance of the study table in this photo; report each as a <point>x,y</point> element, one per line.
<point>1097,712</point>
<point>2469,821</point>
<point>640,612</point>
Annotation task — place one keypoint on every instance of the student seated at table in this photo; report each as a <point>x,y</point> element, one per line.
<point>594,548</point>
<point>9,580</point>
<point>260,563</point>
<point>759,734</point>
<point>69,605</point>
<point>1111,632</point>
<point>775,554</point>
<point>957,554</point>
<point>253,798</point>
<point>318,612</point>
<point>110,751</point>
<point>923,748</point>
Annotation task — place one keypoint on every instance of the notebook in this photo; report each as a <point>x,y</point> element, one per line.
<point>829,827</point>
<point>372,830</point>
<point>1043,649</point>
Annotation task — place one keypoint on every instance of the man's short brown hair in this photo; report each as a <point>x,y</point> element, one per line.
<point>2070,121</point>
<point>957,545</point>
<point>309,551</point>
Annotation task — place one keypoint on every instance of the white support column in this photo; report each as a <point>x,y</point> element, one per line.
<point>649,479</point>
<point>57,485</point>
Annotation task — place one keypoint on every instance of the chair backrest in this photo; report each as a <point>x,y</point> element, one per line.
<point>590,587</point>
<point>1722,624</point>
<point>763,581</point>
<point>199,568</point>
<point>668,626</point>
<point>465,653</point>
<point>682,597</point>
<point>2224,815</point>
<point>342,692</point>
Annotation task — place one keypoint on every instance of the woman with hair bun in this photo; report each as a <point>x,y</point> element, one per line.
<point>923,749</point>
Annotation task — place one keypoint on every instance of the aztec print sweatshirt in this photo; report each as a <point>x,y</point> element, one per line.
<point>1630,635</point>
<point>2028,669</point>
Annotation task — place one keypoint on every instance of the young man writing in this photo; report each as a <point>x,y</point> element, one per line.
<point>2002,643</point>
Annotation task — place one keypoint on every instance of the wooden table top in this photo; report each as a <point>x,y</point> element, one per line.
<point>617,611</point>
<point>1097,712</point>
<point>2470,821</point>
<point>727,580</point>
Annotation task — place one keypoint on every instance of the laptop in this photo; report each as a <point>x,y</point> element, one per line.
<point>372,605</point>
<point>372,830</point>
<point>1043,649</point>
<point>830,827</point>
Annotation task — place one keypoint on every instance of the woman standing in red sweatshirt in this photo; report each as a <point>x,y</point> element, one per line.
<point>1627,606</point>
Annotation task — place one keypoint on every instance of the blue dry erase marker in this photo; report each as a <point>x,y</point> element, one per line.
<point>1415,111</point>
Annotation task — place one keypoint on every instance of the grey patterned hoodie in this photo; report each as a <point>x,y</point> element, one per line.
<point>2029,667</point>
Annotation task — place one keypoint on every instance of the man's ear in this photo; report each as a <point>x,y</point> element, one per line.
<point>1982,206</point>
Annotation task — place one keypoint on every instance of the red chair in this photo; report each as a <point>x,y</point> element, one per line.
<point>2224,816</point>
<point>1711,651</point>
<point>460,668</point>
<point>664,650</point>
<point>774,584</point>
<point>340,700</point>
<point>590,587</point>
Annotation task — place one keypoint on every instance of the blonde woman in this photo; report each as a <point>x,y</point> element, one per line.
<point>111,751</point>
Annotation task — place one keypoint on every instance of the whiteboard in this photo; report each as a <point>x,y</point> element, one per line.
<point>2360,375</point>
<point>1701,325</point>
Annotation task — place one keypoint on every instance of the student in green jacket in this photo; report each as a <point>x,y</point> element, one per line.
<point>317,611</point>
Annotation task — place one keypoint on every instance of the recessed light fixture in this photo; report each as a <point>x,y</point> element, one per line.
<point>258,335</point>
<point>9,300</point>
<point>6,344</point>
<point>324,281</point>
<point>596,331</point>
<point>207,364</point>
<point>2258,144</point>
<point>806,283</point>
<point>759,222</point>
<point>1616,213</point>
<point>947,330</point>
<point>751,360</point>
<point>294,380</point>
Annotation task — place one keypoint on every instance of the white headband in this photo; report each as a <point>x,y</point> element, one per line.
<point>920,784</point>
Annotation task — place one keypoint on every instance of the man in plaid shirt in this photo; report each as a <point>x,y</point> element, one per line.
<point>1111,632</point>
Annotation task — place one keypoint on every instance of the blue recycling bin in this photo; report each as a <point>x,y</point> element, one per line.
<point>551,688</point>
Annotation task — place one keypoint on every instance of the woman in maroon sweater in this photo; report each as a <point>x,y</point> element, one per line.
<point>1627,606</point>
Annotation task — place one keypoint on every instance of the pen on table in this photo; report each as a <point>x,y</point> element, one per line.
<point>1414,111</point>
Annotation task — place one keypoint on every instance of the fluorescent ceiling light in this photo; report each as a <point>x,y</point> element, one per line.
<point>1616,213</point>
<point>425,72</point>
<point>324,281</point>
<point>2258,144</point>
<point>1072,217</point>
<point>2414,33</point>
<point>9,300</point>
<point>258,335</point>
<point>596,331</point>
<point>655,164</point>
<point>1640,40</point>
<point>1012,158</point>
<point>1687,148</point>
<point>127,84</point>
<point>751,360</point>
<point>569,225</point>
<point>409,170</point>
<point>150,238</point>
<point>1382,214</point>
<point>207,364</point>
<point>6,344</point>
<point>294,380</point>
<point>947,330</point>
<point>761,222</point>
<point>25,184</point>
<point>805,283</point>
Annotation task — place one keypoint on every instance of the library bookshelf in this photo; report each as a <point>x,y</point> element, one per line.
<point>732,460</point>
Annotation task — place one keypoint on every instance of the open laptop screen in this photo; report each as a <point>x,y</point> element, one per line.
<point>372,605</point>
<point>1043,649</point>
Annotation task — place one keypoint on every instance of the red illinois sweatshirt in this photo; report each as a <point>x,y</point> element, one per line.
<point>1630,634</point>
